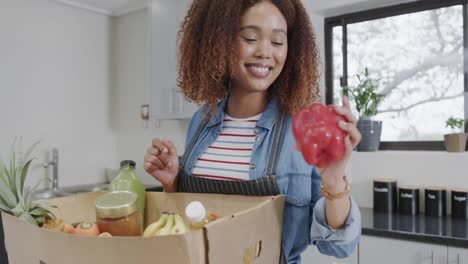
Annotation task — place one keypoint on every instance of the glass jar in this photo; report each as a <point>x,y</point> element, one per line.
<point>117,213</point>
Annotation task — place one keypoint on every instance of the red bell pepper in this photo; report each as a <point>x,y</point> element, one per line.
<point>317,134</point>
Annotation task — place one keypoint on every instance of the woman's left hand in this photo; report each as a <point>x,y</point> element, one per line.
<point>332,176</point>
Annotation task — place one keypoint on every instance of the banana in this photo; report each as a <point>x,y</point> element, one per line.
<point>179,225</point>
<point>167,227</point>
<point>154,227</point>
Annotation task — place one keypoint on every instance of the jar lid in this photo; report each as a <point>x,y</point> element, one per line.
<point>390,180</point>
<point>116,204</point>
<point>459,190</point>
<point>435,188</point>
<point>195,212</point>
<point>125,163</point>
<point>408,187</point>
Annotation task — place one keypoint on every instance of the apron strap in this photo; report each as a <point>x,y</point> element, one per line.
<point>276,143</point>
<point>194,140</point>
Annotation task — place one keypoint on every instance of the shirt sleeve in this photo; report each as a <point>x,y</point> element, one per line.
<point>335,242</point>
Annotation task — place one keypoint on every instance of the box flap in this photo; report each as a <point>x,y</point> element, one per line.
<point>266,219</point>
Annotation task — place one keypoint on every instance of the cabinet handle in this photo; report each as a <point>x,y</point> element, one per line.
<point>171,103</point>
<point>181,101</point>
<point>432,256</point>
<point>458,258</point>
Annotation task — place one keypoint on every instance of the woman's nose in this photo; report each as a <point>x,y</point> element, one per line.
<point>263,50</point>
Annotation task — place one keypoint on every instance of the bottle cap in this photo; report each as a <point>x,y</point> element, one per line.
<point>125,163</point>
<point>195,212</point>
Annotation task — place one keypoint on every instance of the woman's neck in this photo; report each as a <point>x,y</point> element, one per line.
<point>243,105</point>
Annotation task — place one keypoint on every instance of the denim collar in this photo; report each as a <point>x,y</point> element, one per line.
<point>267,120</point>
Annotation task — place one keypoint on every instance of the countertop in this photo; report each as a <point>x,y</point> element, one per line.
<point>440,230</point>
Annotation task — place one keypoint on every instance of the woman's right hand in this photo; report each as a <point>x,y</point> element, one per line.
<point>162,162</point>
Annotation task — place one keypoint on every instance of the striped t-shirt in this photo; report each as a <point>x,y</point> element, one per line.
<point>228,157</point>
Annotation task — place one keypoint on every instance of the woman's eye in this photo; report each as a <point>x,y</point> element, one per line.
<point>277,43</point>
<point>249,39</point>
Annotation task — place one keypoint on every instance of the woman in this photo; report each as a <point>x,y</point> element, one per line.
<point>253,64</point>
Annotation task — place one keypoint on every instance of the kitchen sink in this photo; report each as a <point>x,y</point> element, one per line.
<point>87,188</point>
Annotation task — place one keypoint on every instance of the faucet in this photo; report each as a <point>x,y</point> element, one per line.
<point>55,191</point>
<point>54,164</point>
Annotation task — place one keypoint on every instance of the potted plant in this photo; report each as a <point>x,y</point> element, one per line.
<point>366,100</point>
<point>455,142</point>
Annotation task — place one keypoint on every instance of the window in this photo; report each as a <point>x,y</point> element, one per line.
<point>417,52</point>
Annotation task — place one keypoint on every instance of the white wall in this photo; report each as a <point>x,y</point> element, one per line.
<point>54,86</point>
<point>131,75</point>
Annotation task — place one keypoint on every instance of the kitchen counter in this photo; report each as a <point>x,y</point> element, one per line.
<point>440,230</point>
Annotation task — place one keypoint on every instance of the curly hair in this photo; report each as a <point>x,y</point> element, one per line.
<point>206,50</point>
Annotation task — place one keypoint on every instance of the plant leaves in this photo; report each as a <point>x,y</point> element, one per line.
<point>13,168</point>
<point>28,218</point>
<point>5,209</point>
<point>30,149</point>
<point>7,195</point>
<point>38,211</point>
<point>24,174</point>
<point>17,210</point>
<point>40,220</point>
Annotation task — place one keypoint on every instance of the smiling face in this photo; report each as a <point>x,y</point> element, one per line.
<point>261,48</point>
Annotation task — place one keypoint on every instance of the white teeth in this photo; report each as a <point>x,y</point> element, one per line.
<point>260,69</point>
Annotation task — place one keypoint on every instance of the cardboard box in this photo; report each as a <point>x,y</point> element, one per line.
<point>249,225</point>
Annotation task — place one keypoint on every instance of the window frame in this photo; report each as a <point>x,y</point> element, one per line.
<point>378,13</point>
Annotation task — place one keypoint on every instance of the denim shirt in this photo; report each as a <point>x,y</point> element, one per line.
<point>304,219</point>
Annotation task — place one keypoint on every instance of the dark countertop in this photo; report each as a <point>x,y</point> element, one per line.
<point>440,230</point>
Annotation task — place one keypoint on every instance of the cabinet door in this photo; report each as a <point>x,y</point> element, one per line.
<point>167,102</point>
<point>458,255</point>
<point>389,251</point>
<point>312,256</point>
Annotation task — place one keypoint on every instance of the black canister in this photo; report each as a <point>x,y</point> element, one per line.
<point>435,201</point>
<point>385,195</point>
<point>459,203</point>
<point>408,200</point>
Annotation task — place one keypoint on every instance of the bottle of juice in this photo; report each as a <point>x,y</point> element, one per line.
<point>127,181</point>
<point>197,215</point>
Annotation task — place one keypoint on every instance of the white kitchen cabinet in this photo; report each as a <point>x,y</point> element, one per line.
<point>312,256</point>
<point>389,251</point>
<point>167,102</point>
<point>457,255</point>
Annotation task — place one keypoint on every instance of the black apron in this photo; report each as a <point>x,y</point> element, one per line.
<point>263,186</point>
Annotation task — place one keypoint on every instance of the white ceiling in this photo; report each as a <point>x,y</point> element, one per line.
<point>108,7</point>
